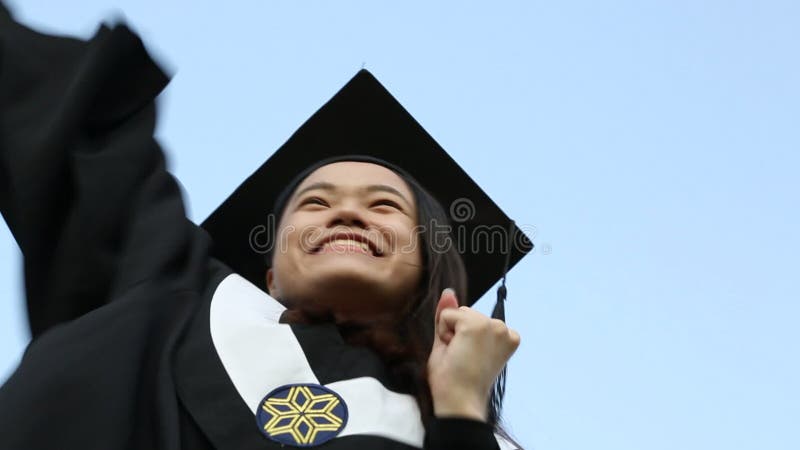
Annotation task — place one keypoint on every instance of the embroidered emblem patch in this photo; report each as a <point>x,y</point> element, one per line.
<point>302,415</point>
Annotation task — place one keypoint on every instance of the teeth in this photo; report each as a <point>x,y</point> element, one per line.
<point>350,242</point>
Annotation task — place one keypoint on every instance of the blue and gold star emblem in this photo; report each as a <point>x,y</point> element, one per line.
<point>302,415</point>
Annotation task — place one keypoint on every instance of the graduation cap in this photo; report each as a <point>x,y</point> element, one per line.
<point>364,119</point>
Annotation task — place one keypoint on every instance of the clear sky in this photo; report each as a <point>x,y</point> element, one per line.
<point>652,145</point>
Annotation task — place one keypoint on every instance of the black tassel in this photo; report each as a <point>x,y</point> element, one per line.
<point>496,398</point>
<point>499,312</point>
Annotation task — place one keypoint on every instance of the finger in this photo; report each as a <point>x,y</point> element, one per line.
<point>471,321</point>
<point>464,316</point>
<point>446,301</point>
<point>451,320</point>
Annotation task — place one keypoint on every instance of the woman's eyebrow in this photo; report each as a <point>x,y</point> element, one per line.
<point>318,185</point>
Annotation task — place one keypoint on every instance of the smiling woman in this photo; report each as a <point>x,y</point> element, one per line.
<point>379,278</point>
<point>355,331</point>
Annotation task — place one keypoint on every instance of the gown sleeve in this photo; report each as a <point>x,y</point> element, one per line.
<point>83,184</point>
<point>105,240</point>
<point>466,434</point>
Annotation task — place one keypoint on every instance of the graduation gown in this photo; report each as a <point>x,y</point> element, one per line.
<point>141,339</point>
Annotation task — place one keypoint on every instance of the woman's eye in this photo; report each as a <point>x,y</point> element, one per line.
<point>387,202</point>
<point>314,201</point>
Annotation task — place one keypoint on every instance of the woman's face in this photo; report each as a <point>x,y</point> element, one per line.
<point>347,244</point>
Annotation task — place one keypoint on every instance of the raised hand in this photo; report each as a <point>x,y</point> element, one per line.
<point>469,351</point>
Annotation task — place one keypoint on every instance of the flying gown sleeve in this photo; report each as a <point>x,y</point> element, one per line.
<point>84,189</point>
<point>112,265</point>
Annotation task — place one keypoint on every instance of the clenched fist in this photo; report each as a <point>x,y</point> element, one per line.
<point>469,351</point>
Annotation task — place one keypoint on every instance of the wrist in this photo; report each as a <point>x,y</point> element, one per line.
<point>460,406</point>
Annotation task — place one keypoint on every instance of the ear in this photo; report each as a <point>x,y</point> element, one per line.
<point>272,286</point>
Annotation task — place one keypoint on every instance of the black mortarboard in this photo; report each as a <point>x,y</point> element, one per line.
<point>364,119</point>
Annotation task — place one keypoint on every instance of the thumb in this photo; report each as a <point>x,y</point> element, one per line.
<point>448,300</point>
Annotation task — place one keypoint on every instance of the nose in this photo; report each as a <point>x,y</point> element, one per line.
<point>347,215</point>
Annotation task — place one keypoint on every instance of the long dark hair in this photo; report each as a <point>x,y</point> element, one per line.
<point>405,346</point>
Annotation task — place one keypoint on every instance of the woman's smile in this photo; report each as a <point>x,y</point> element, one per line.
<point>340,246</point>
<point>348,242</point>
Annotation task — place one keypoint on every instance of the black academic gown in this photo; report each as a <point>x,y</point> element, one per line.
<point>121,287</point>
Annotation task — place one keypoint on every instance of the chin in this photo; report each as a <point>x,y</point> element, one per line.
<point>341,282</point>
<point>351,292</point>
<point>356,269</point>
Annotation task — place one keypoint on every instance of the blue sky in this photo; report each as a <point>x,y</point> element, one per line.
<point>651,145</point>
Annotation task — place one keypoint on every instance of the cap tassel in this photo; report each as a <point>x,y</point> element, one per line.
<point>499,312</point>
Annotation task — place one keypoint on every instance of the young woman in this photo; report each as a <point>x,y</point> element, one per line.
<point>145,333</point>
